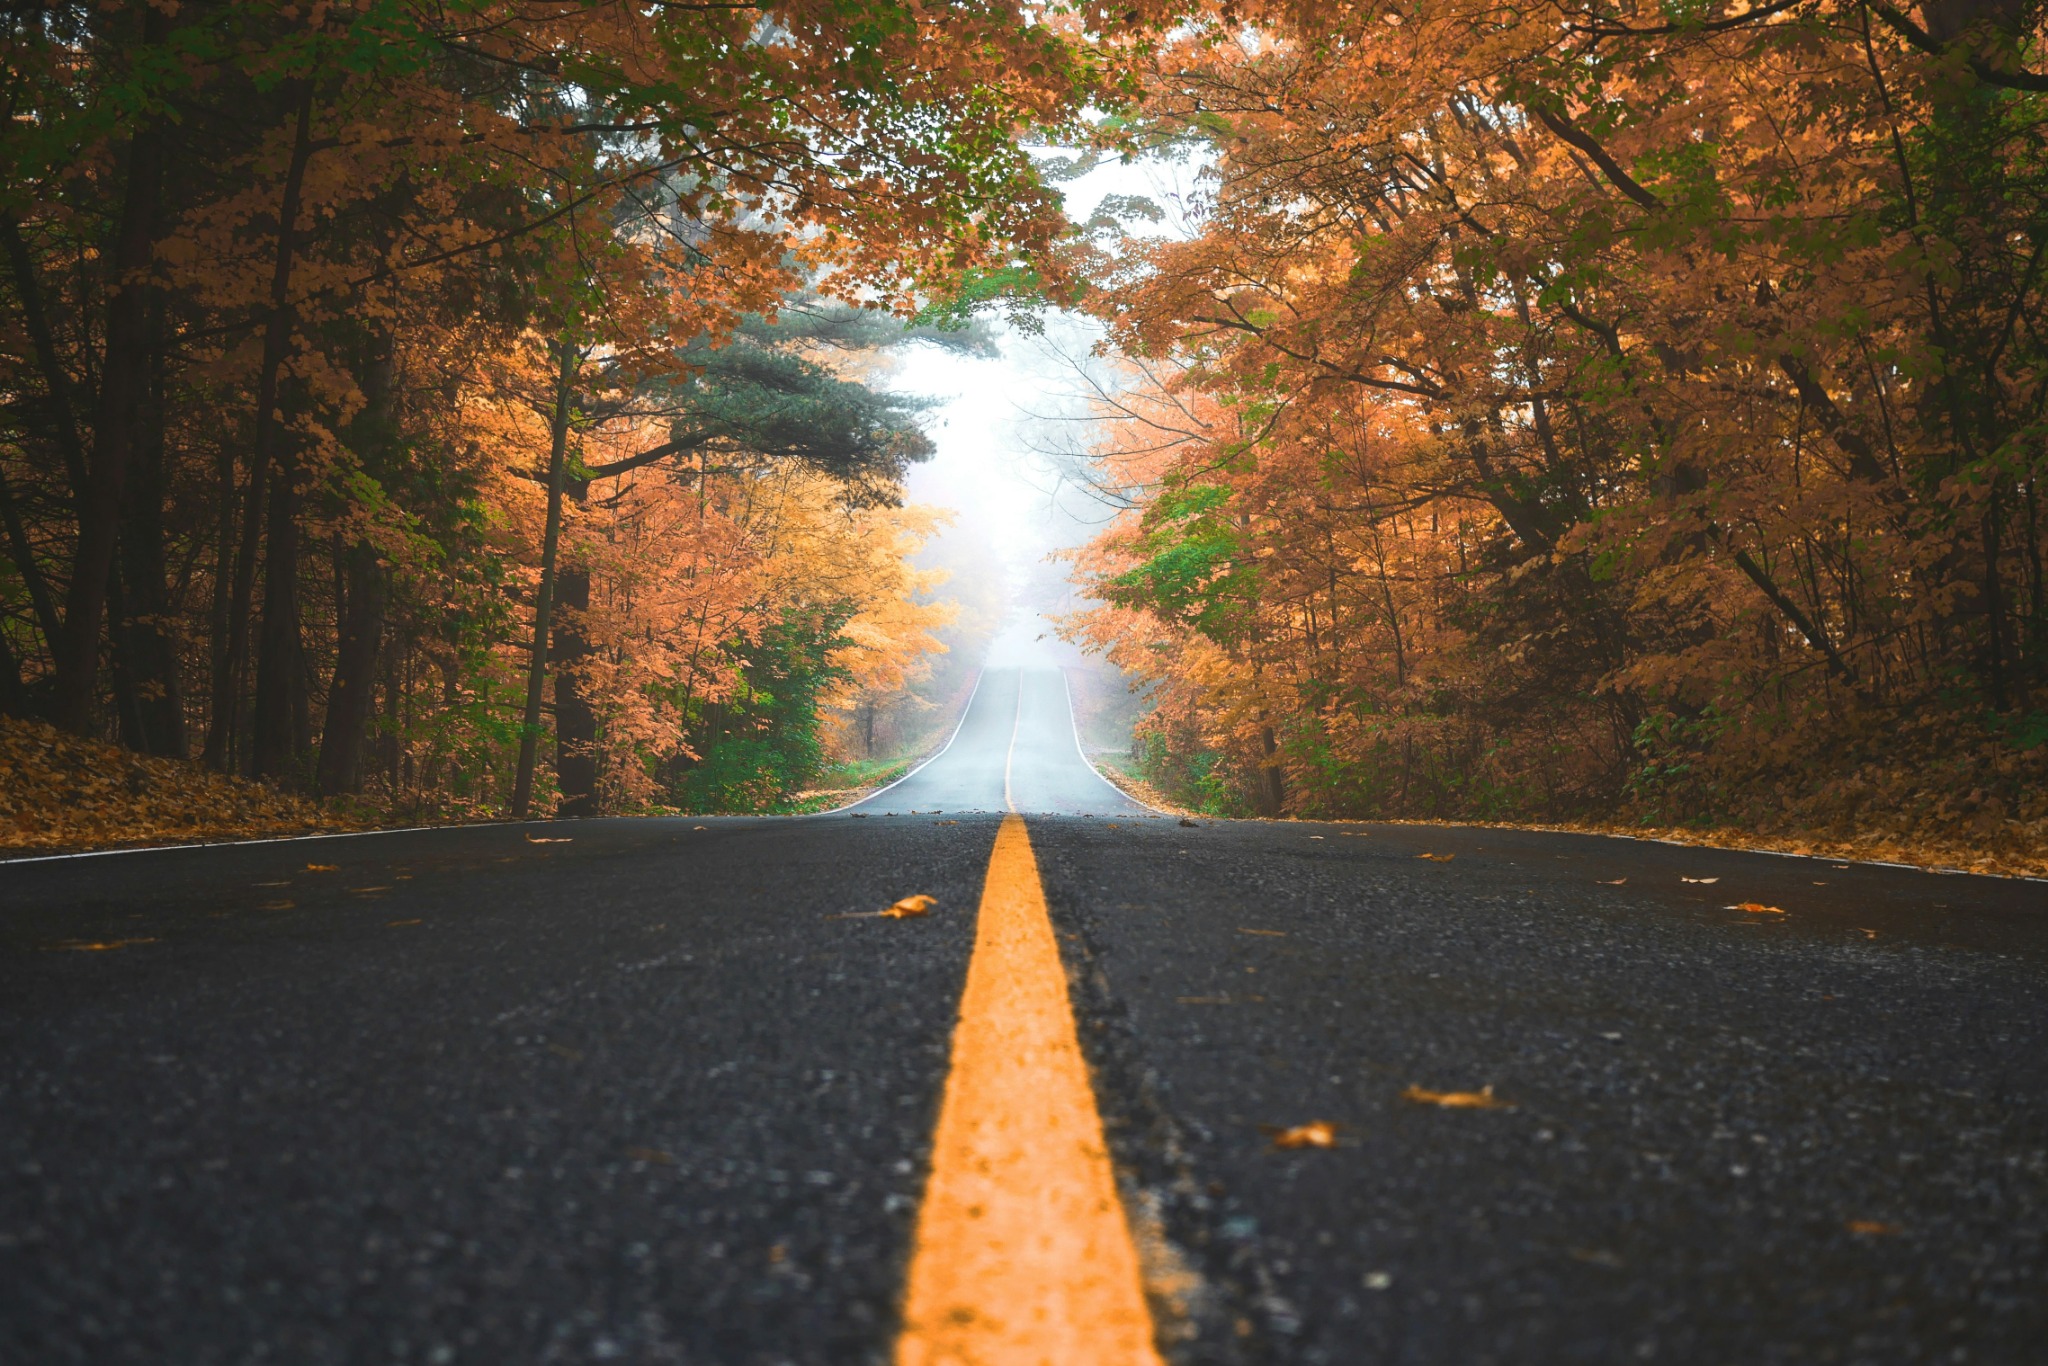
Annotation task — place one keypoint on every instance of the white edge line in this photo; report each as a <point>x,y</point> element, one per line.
<point>275,839</point>
<point>1932,869</point>
<point>957,725</point>
<point>1074,724</point>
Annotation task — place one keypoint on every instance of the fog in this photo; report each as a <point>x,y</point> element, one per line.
<point>1010,428</point>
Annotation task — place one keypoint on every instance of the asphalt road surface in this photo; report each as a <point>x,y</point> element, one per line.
<point>664,1090</point>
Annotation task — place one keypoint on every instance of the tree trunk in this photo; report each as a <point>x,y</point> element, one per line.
<point>351,697</point>
<point>122,376</point>
<point>219,753</point>
<point>362,588</point>
<point>146,640</point>
<point>1272,778</point>
<point>575,721</point>
<point>278,745</point>
<point>14,699</point>
<point>277,740</point>
<point>543,601</point>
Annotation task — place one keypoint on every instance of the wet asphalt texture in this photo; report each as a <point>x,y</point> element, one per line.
<point>664,1092</point>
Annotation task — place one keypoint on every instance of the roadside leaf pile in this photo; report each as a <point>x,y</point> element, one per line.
<point>60,792</point>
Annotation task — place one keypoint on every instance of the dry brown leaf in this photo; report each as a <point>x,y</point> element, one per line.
<point>549,839</point>
<point>1616,883</point>
<point>956,823</point>
<point>908,907</point>
<point>1754,908</point>
<point>1867,934</point>
<point>1702,880</point>
<point>279,905</point>
<point>323,867</point>
<point>95,946</point>
<point>1437,858</point>
<point>393,924</point>
<point>1482,1099</point>
<point>1276,934</point>
<point>1874,1228</point>
<point>653,1155</point>
<point>1318,1133</point>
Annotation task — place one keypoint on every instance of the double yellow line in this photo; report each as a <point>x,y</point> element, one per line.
<point>1024,1256</point>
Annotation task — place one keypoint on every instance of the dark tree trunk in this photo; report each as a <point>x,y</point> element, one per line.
<point>362,588</point>
<point>543,600</point>
<point>279,733</point>
<point>575,721</point>
<point>14,698</point>
<point>146,641</point>
<point>277,737</point>
<point>127,700</point>
<point>1272,778</point>
<point>219,753</point>
<point>41,600</point>
<point>351,698</point>
<point>123,371</point>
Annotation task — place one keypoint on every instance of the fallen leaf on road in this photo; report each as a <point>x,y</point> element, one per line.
<point>956,823</point>
<point>394,924</point>
<point>1683,878</point>
<point>909,906</point>
<point>654,1155</point>
<point>323,867</point>
<point>369,889</point>
<point>93,945</point>
<point>549,839</point>
<point>1867,934</point>
<point>1315,837</point>
<point>1185,821</point>
<point>1616,883</point>
<point>1754,908</point>
<point>1315,1134</point>
<point>1482,1099</point>
<point>1277,934</point>
<point>1437,858</point>
<point>1873,1228</point>
<point>278,905</point>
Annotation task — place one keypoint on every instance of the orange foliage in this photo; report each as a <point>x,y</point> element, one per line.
<point>1560,412</point>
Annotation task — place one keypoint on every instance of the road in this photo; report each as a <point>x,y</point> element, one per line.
<point>667,1090</point>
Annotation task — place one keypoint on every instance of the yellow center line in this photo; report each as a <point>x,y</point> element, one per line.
<point>1023,1256</point>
